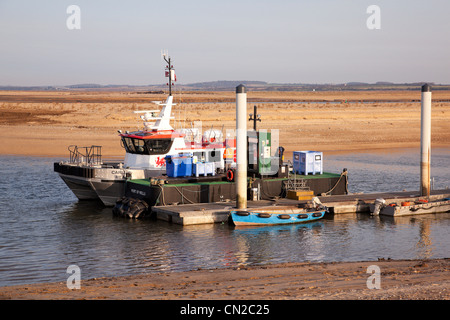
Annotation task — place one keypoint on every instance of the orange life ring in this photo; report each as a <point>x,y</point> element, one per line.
<point>230,175</point>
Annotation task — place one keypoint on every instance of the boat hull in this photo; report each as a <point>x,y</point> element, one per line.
<point>416,209</point>
<point>95,189</point>
<point>81,187</point>
<point>106,182</point>
<point>109,191</point>
<point>258,218</point>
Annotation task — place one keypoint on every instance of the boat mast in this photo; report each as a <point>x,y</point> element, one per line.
<point>170,67</point>
<point>254,117</point>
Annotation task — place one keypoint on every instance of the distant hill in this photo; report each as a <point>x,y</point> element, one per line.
<point>227,85</point>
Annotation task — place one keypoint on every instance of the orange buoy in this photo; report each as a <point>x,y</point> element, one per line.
<point>230,175</point>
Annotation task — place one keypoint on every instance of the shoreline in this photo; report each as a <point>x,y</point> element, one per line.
<point>421,279</point>
<point>375,150</point>
<point>381,148</point>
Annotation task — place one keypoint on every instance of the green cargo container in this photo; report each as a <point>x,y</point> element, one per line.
<point>262,158</point>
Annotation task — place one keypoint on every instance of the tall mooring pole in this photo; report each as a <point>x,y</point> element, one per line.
<point>425,141</point>
<point>241,147</point>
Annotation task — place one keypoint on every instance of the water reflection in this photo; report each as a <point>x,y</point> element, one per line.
<point>428,233</point>
<point>425,244</point>
<point>272,244</point>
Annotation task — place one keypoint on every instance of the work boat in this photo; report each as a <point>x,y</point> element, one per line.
<point>145,155</point>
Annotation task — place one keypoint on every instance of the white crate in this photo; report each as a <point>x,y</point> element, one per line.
<point>306,162</point>
<point>204,168</point>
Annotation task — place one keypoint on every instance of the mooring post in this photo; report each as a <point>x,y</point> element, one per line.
<point>241,147</point>
<point>425,141</point>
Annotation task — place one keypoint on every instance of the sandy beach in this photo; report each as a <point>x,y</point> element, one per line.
<point>46,123</point>
<point>399,280</point>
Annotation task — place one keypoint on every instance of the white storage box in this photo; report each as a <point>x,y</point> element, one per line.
<point>204,168</point>
<point>306,162</point>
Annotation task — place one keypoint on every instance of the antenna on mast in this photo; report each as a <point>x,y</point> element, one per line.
<point>164,53</point>
<point>170,72</point>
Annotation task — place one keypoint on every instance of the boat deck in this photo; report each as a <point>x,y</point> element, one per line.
<point>173,192</point>
<point>218,212</point>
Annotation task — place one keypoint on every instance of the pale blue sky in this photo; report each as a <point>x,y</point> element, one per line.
<point>283,41</point>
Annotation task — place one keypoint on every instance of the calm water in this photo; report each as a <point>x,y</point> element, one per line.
<point>44,228</point>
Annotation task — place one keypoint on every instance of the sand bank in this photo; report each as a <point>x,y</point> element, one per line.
<point>46,123</point>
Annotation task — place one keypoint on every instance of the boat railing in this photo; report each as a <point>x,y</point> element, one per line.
<point>294,183</point>
<point>85,155</point>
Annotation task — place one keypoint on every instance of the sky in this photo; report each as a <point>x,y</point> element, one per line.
<point>283,41</point>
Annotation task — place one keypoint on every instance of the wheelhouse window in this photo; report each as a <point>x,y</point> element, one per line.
<point>158,146</point>
<point>128,144</point>
<point>147,146</point>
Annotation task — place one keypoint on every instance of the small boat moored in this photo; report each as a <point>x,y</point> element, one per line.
<point>279,215</point>
<point>407,208</point>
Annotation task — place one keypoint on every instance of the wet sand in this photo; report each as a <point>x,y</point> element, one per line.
<point>399,280</point>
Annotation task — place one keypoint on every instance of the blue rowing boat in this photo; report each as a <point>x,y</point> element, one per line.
<point>274,216</point>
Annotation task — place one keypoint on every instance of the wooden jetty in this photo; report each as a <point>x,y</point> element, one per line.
<point>218,212</point>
